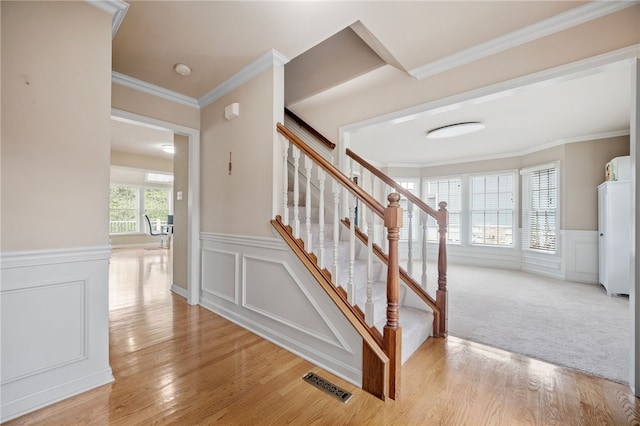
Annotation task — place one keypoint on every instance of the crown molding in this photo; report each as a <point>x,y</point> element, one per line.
<point>116,8</point>
<point>553,144</point>
<point>267,60</point>
<point>560,22</point>
<point>152,89</point>
<point>580,68</point>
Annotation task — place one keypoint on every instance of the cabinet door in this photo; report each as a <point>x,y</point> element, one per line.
<point>602,251</point>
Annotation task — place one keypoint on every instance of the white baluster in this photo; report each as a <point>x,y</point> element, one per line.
<point>362,224</point>
<point>368,307</point>
<point>410,238</point>
<point>321,178</point>
<point>336,228</point>
<point>423,280</point>
<point>285,180</point>
<point>296,192</point>
<point>307,204</point>
<point>351,293</point>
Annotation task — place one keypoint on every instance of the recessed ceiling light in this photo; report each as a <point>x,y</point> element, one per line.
<point>456,129</point>
<point>169,148</point>
<point>182,69</point>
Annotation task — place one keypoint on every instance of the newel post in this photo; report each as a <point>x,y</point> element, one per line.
<point>441,293</point>
<point>392,336</point>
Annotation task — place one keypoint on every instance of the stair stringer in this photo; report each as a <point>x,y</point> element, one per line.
<point>261,285</point>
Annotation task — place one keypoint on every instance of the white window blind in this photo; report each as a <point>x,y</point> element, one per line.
<point>542,209</point>
<point>410,186</point>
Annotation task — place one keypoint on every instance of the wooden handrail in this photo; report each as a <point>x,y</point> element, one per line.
<point>333,171</point>
<point>408,195</point>
<point>300,122</point>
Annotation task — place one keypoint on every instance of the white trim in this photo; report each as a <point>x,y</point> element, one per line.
<point>152,89</point>
<point>581,68</point>
<point>77,359</point>
<point>339,342</point>
<point>23,259</point>
<point>179,290</point>
<point>267,60</point>
<point>253,241</point>
<point>546,27</point>
<point>549,165</point>
<point>193,201</point>
<point>116,8</point>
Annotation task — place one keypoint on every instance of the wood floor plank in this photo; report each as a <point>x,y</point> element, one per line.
<point>183,365</point>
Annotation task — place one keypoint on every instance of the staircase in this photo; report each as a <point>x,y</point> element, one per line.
<point>416,323</point>
<point>358,267</point>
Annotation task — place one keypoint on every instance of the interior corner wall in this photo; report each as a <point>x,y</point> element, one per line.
<point>583,171</point>
<point>56,108</point>
<point>180,210</point>
<point>239,200</point>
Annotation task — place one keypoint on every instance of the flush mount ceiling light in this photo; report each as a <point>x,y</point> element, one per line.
<point>169,148</point>
<point>182,69</point>
<point>456,129</point>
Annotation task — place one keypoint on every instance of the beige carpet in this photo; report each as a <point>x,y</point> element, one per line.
<point>565,323</point>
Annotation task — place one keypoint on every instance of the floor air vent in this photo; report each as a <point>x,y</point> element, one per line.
<point>327,387</point>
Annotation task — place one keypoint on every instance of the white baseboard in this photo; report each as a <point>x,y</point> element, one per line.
<point>179,290</point>
<point>55,334</point>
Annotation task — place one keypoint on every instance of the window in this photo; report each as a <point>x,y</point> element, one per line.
<point>492,209</point>
<point>128,204</point>
<point>540,208</point>
<point>156,206</point>
<point>450,191</point>
<point>123,210</point>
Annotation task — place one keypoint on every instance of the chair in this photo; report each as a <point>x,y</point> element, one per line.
<point>163,234</point>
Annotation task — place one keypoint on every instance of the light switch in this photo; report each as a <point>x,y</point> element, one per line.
<point>179,196</point>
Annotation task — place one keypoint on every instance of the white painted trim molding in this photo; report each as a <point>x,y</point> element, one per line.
<point>152,89</point>
<point>55,326</point>
<point>193,202</point>
<point>179,291</point>
<point>241,275</point>
<point>265,61</point>
<point>560,22</point>
<point>269,59</point>
<point>116,8</point>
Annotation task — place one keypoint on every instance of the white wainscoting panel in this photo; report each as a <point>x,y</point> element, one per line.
<point>581,256</point>
<point>55,326</point>
<point>220,274</point>
<point>279,300</point>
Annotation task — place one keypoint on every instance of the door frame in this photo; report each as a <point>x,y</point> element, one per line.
<point>193,199</point>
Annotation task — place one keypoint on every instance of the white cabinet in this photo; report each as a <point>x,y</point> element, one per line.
<point>614,230</point>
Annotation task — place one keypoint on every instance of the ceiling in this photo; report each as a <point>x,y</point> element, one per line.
<point>517,122</point>
<point>217,39</point>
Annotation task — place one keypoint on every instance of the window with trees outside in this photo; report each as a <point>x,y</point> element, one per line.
<point>450,191</point>
<point>540,208</point>
<point>492,209</point>
<point>129,204</point>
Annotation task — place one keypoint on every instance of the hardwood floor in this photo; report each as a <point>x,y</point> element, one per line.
<point>183,365</point>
